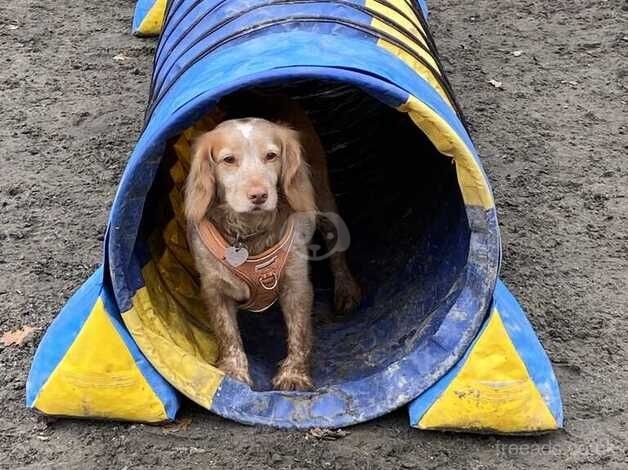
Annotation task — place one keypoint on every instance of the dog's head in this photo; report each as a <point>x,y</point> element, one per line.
<point>247,164</point>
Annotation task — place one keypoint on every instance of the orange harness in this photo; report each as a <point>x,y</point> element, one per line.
<point>261,273</point>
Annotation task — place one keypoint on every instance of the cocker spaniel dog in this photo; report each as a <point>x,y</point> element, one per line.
<point>251,202</point>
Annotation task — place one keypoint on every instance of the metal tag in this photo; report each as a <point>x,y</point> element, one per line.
<point>236,256</point>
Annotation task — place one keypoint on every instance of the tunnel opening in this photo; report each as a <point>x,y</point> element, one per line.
<point>402,205</point>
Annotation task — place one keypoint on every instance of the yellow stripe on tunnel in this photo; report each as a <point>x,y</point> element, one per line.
<point>473,185</point>
<point>396,17</point>
<point>181,353</point>
<point>168,319</point>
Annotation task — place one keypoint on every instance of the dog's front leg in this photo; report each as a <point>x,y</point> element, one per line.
<point>232,358</point>
<point>296,299</point>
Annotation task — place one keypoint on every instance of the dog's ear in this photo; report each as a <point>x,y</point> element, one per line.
<point>295,174</point>
<point>200,185</point>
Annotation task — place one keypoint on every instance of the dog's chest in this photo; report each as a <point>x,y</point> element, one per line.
<point>256,277</point>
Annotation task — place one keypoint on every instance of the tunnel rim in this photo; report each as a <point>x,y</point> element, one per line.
<point>232,400</point>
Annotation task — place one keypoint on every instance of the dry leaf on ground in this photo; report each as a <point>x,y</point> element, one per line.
<point>17,337</point>
<point>179,425</point>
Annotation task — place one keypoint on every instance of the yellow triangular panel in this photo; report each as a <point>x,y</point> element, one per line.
<point>99,378</point>
<point>154,19</point>
<point>492,391</point>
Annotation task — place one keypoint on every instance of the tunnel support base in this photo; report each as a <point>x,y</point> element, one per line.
<point>88,366</point>
<point>503,384</point>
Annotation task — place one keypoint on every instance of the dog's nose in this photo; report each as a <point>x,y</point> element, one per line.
<point>257,195</point>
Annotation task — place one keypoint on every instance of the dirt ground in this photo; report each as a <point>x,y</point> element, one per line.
<point>553,139</point>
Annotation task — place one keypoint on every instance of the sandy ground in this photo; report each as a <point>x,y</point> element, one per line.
<point>553,141</point>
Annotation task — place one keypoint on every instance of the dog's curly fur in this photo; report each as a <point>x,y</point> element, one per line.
<point>286,163</point>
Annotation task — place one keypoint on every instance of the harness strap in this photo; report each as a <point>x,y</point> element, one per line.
<point>261,273</point>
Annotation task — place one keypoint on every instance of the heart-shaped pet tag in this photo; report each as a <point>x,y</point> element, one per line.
<point>236,256</point>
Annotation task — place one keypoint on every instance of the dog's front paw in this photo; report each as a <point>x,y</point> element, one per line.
<point>291,378</point>
<point>235,369</point>
<point>347,294</point>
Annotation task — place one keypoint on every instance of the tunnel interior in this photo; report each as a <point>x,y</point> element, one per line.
<point>402,204</point>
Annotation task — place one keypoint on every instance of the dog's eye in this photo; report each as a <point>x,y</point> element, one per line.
<point>229,159</point>
<point>270,156</point>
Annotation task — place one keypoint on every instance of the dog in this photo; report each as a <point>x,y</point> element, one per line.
<point>251,199</point>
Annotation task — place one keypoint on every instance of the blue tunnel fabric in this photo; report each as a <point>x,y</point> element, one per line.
<point>209,49</point>
<point>149,14</point>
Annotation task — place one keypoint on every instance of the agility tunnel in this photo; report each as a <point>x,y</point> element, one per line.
<point>436,329</point>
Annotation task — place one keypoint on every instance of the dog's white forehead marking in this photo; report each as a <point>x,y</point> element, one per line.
<point>245,128</point>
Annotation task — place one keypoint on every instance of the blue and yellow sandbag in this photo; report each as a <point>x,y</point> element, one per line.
<point>436,331</point>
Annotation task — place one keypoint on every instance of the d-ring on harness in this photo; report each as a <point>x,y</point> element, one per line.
<point>260,272</point>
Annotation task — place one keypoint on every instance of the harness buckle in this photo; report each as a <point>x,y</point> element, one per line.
<point>269,280</point>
